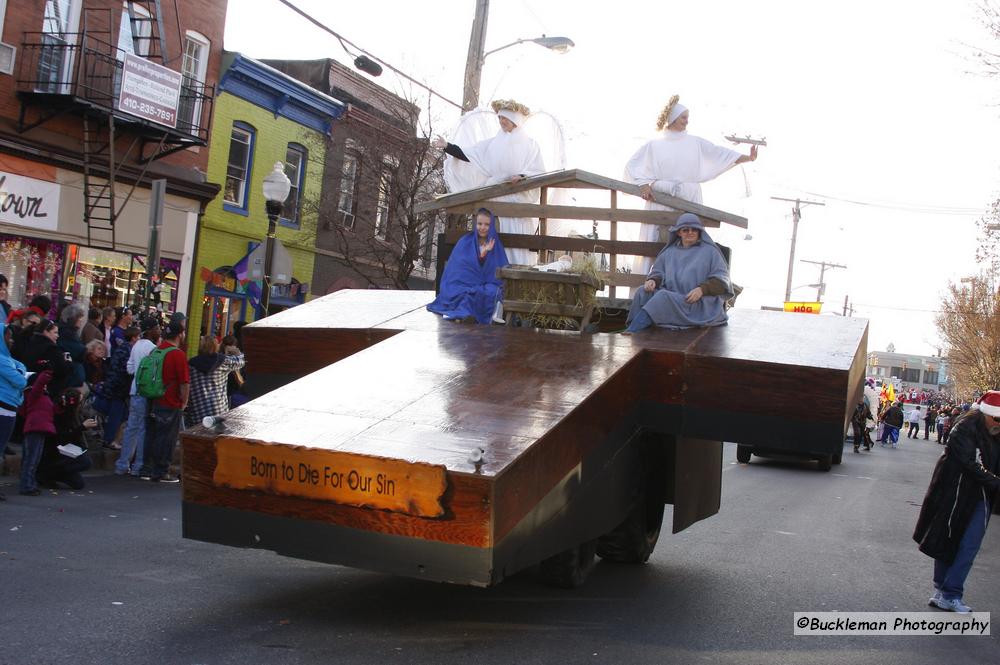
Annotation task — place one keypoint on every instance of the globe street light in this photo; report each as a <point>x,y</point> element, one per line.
<point>276,189</point>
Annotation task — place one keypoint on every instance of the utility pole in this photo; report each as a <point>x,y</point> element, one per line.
<point>823,265</point>
<point>845,307</point>
<point>474,61</point>
<point>796,215</point>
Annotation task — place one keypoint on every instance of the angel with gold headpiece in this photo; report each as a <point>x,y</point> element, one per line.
<point>676,164</point>
<point>479,156</point>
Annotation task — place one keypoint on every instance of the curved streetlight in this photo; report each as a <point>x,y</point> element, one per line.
<point>558,44</point>
<point>474,65</point>
<point>276,188</point>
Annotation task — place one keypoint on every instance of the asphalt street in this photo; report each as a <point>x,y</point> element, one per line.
<point>102,576</point>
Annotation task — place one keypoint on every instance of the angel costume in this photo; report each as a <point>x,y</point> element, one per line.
<point>675,164</point>
<point>677,270</point>
<point>480,163</point>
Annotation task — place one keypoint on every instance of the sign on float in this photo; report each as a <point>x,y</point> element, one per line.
<point>803,307</point>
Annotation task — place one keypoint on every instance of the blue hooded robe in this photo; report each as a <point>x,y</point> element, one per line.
<point>470,287</point>
<point>677,270</point>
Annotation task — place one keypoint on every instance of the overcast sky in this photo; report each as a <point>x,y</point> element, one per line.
<point>868,106</point>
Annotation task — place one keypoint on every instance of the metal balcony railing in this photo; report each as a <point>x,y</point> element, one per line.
<point>85,69</point>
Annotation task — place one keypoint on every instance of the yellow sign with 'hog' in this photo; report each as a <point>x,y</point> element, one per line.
<point>313,473</point>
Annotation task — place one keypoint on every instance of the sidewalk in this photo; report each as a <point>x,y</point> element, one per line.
<point>102,463</point>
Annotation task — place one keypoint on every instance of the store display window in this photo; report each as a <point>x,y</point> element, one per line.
<point>32,267</point>
<point>222,305</point>
<point>114,279</point>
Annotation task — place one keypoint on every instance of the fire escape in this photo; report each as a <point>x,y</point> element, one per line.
<point>81,75</point>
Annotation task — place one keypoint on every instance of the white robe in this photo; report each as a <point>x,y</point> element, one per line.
<point>498,159</point>
<point>675,164</point>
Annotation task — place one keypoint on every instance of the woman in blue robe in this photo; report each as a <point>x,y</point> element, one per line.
<point>470,287</point>
<point>688,285</point>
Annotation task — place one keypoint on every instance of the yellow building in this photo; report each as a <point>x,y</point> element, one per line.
<point>261,117</point>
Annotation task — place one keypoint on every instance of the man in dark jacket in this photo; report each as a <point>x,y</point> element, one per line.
<point>957,506</point>
<point>892,420</point>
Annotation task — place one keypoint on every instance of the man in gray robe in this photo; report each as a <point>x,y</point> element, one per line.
<point>687,286</point>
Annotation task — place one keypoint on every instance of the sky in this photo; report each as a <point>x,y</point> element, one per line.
<point>874,108</point>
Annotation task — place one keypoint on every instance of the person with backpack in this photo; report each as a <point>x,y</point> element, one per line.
<point>131,457</point>
<point>163,377</point>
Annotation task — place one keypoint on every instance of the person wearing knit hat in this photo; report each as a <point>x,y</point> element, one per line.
<point>958,503</point>
<point>675,164</point>
<point>687,286</point>
<point>509,156</point>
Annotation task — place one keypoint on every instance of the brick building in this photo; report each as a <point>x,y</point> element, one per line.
<point>261,117</point>
<point>372,158</point>
<point>94,92</point>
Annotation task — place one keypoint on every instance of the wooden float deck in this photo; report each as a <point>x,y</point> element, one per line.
<point>371,377</point>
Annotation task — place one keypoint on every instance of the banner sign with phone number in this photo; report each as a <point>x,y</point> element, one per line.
<point>149,90</point>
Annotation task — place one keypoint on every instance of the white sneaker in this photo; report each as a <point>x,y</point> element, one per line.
<point>952,605</point>
<point>498,313</point>
<point>934,599</point>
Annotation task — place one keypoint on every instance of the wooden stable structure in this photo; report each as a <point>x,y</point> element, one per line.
<point>388,439</point>
<point>567,298</point>
<point>461,204</point>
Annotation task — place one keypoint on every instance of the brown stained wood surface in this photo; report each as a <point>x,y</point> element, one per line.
<point>534,401</point>
<point>310,472</point>
<point>297,342</point>
<point>467,520</point>
<point>539,276</point>
<point>559,243</point>
<point>658,217</point>
<point>459,202</point>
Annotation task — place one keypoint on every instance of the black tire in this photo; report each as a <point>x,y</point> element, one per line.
<point>825,462</point>
<point>633,540</point>
<point>569,568</point>
<point>743,454</point>
<point>838,458</point>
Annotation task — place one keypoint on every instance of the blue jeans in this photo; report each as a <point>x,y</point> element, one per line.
<point>33,445</point>
<point>117,410</point>
<point>949,579</point>
<point>133,438</point>
<point>161,437</point>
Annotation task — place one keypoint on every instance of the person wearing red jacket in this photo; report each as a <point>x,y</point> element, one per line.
<point>39,421</point>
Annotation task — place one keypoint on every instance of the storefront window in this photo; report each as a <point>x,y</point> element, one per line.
<point>113,279</point>
<point>32,267</point>
<point>220,311</point>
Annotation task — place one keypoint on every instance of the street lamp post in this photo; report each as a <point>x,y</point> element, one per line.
<point>477,45</point>
<point>276,188</point>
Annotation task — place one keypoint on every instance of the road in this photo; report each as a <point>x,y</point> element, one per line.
<point>102,576</point>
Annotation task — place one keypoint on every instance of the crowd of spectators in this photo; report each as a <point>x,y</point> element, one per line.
<point>67,387</point>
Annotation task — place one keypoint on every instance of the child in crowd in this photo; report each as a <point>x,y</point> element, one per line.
<point>39,422</point>
<point>64,457</point>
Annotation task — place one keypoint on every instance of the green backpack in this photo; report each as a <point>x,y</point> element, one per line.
<point>149,375</point>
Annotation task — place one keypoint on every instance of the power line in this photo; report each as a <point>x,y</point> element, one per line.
<point>906,207</point>
<point>344,40</point>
